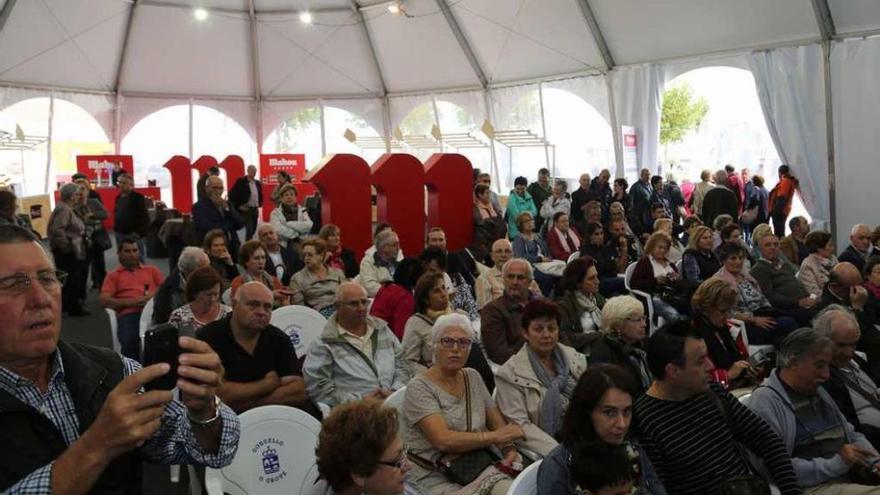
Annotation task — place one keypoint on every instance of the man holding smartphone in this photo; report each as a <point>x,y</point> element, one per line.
<point>74,418</point>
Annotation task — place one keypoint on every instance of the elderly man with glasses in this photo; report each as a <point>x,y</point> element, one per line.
<point>357,355</point>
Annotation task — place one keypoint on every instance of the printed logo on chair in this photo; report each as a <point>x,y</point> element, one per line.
<point>269,460</point>
<point>294,332</point>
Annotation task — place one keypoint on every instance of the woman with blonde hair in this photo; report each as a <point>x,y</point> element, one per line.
<point>623,331</point>
<point>699,261</point>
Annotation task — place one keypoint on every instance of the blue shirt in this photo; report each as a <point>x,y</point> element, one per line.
<point>173,443</point>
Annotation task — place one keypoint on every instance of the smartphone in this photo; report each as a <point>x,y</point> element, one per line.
<point>161,346</point>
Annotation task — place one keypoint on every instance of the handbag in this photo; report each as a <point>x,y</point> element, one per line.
<point>464,469</point>
<point>749,215</point>
<point>101,240</point>
<point>554,268</point>
<point>746,484</point>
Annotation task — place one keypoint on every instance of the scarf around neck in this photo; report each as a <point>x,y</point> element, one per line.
<point>291,212</point>
<point>572,244</point>
<point>559,389</point>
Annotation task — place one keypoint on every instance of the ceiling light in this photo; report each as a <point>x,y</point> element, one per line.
<point>394,8</point>
<point>305,18</point>
<point>200,14</point>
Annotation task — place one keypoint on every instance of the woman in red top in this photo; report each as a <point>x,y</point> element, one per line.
<point>562,239</point>
<point>781,198</point>
<point>395,302</point>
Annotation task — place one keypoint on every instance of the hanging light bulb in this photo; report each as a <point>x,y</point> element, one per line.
<point>200,14</point>
<point>394,8</point>
<point>305,18</point>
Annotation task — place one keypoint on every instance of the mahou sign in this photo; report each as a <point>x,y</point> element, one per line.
<point>345,183</point>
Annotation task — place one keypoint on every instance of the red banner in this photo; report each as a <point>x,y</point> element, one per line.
<point>89,164</point>
<point>292,163</point>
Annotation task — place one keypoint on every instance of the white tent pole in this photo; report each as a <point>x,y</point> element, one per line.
<point>386,122</point>
<point>615,129</point>
<point>493,165</point>
<point>5,12</point>
<point>190,127</point>
<point>323,129</point>
<point>437,121</point>
<point>255,74</point>
<point>825,22</point>
<point>551,166</point>
<point>117,125</point>
<point>49,142</point>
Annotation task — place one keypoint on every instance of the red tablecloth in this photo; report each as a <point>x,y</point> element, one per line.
<point>109,194</point>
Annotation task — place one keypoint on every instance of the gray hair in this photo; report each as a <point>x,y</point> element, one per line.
<point>857,227</point>
<point>720,177</point>
<point>337,297</point>
<point>513,261</point>
<point>260,228</point>
<point>189,259</point>
<point>383,238</point>
<point>454,320</point>
<point>823,323</point>
<point>617,310</point>
<point>68,190</point>
<point>563,184</point>
<point>797,344</point>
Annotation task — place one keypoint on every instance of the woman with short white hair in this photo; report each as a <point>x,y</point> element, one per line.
<point>623,326</point>
<point>451,417</point>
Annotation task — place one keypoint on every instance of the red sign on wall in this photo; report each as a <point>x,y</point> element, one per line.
<point>89,164</point>
<point>293,164</point>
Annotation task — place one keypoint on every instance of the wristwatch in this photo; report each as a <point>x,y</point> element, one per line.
<point>209,421</point>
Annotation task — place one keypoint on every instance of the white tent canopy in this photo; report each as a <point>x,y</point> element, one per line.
<point>255,60</point>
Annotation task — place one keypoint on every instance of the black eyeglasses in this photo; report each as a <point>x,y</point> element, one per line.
<point>401,462</point>
<point>19,282</point>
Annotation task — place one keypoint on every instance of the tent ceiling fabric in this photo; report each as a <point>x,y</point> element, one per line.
<point>78,45</point>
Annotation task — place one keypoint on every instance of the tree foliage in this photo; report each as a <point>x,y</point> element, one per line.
<point>681,114</point>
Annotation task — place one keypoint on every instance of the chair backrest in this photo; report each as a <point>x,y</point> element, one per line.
<point>575,255</point>
<point>226,298</point>
<point>276,454</point>
<point>146,318</point>
<point>302,324</point>
<point>113,329</point>
<point>395,400</point>
<point>628,274</point>
<point>527,481</point>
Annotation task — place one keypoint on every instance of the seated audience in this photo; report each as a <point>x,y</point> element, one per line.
<point>815,270</point>
<point>519,201</point>
<point>360,451</point>
<point>733,233</point>
<point>699,261</point>
<point>126,290</point>
<point>218,255</point>
<point>490,283</point>
<point>394,302</point>
<point>337,256</point>
<point>448,412</point>
<point>860,247</point>
<point>562,239</point>
<point>315,285</point>
<point>697,452</point>
<point>581,304</point>
<point>617,228</point>
<point>758,233</point>
<point>281,261</point>
<point>872,276</point>
<point>676,250</point>
<point>172,293</point>
<point>657,276</point>
<point>558,202</point>
<point>432,302</point>
<point>289,219</point>
<point>851,386</point>
<point>593,213</point>
<point>794,245</point>
<point>623,333</point>
<point>721,221</point>
<point>203,304</point>
<point>530,246</point>
<point>380,266</point>
<point>252,257</point>
<point>687,226</point>
<point>764,324</point>
<point>535,386</point>
<point>827,453</point>
<point>461,297</point>
<point>713,302</point>
<point>609,259</point>
<point>620,195</point>
<point>357,355</point>
<point>260,364</point>
<point>598,419</point>
<point>778,282</point>
<point>500,325</point>
<point>75,418</point>
<point>489,225</point>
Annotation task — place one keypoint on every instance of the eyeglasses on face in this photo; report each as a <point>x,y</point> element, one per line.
<point>19,282</point>
<point>449,342</point>
<point>401,462</point>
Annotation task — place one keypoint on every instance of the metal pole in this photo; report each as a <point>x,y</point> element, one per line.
<point>190,129</point>
<point>323,130</point>
<point>619,170</point>
<point>49,143</point>
<point>829,132</point>
<point>494,163</point>
<point>437,120</point>
<point>544,131</point>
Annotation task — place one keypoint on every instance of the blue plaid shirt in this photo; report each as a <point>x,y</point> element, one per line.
<point>173,443</point>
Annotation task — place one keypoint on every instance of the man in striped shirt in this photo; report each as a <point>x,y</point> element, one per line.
<point>689,435</point>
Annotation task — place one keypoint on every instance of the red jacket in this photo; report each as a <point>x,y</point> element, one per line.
<point>735,183</point>
<point>558,250</point>
<point>643,276</point>
<point>394,304</point>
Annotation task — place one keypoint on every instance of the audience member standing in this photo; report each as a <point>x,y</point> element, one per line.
<point>781,198</point>
<point>214,212</point>
<point>700,191</point>
<point>126,290</point>
<point>556,203</point>
<point>201,191</point>
<point>640,195</point>
<point>541,190</point>
<point>735,184</point>
<point>579,198</point>
<point>99,236</point>
<point>519,201</point>
<point>719,200</point>
<point>130,216</point>
<point>290,219</point>
<point>600,186</point>
<point>247,195</point>
<point>66,233</point>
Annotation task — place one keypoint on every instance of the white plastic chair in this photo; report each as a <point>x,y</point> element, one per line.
<point>146,320</point>
<point>226,297</point>
<point>113,329</point>
<point>644,296</point>
<point>527,481</point>
<point>395,400</point>
<point>302,324</point>
<point>575,255</point>
<point>276,455</point>
<point>738,332</point>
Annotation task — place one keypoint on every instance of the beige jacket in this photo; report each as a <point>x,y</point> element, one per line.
<point>490,286</point>
<point>371,276</point>
<point>518,394</point>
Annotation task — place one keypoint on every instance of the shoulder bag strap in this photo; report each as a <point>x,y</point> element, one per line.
<point>467,399</point>
<point>726,414</point>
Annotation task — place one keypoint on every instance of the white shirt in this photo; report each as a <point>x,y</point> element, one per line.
<point>363,344</point>
<point>866,412</point>
<point>254,199</point>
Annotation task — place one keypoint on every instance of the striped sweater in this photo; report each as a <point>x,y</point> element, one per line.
<point>692,447</point>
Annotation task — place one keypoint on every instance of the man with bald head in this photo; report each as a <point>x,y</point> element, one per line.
<point>490,283</point>
<point>357,355</point>
<point>860,247</point>
<point>261,364</point>
<point>500,320</point>
<point>214,212</point>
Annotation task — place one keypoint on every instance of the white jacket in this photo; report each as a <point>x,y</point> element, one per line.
<point>290,230</point>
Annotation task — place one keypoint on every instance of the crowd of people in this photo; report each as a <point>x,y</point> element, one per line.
<point>604,332</point>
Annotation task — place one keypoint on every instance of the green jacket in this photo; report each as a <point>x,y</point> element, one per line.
<point>515,205</point>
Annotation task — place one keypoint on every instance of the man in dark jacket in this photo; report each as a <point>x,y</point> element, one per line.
<point>130,214</point>
<point>281,261</point>
<point>74,417</point>
<point>214,212</point>
<point>246,196</point>
<point>170,295</point>
<point>719,201</point>
<point>860,247</point>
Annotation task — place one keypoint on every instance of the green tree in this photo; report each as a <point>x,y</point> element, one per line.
<point>287,132</point>
<point>681,114</point>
